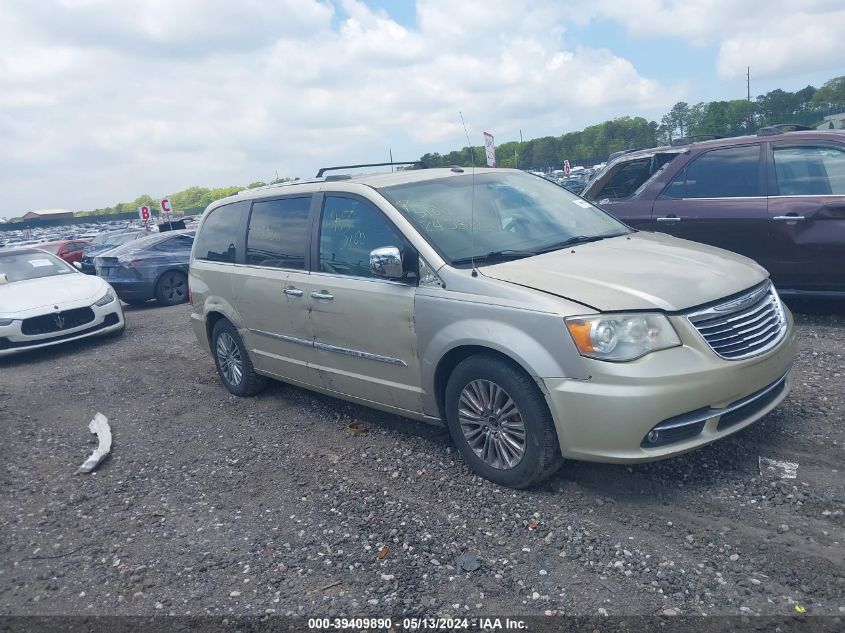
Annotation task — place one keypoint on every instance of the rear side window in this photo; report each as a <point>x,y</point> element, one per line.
<point>732,172</point>
<point>626,180</point>
<point>220,236</point>
<point>278,232</point>
<point>176,243</point>
<point>809,171</point>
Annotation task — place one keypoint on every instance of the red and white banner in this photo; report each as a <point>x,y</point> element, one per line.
<point>490,147</point>
<point>144,213</point>
<point>566,168</point>
<point>166,209</point>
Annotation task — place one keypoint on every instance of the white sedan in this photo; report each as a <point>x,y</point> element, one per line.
<point>44,301</point>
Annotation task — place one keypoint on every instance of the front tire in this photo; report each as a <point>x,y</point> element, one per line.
<point>500,423</point>
<point>172,288</point>
<point>232,361</point>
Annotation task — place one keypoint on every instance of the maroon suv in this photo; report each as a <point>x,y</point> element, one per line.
<point>778,197</point>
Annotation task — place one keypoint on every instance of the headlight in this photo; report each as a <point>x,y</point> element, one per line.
<point>5,322</point>
<point>621,337</point>
<point>105,299</point>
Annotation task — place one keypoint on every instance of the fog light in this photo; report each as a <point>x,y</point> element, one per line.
<point>652,436</point>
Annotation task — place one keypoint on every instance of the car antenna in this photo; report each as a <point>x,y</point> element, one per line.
<point>472,200</point>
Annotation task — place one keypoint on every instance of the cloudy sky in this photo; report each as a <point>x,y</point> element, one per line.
<point>101,101</point>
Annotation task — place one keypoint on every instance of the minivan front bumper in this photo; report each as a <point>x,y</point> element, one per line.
<point>687,395</point>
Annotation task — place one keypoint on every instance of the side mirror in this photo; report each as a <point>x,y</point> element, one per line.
<point>386,261</point>
<point>77,265</point>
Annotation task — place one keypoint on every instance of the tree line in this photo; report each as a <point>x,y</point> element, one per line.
<point>190,200</point>
<point>594,143</point>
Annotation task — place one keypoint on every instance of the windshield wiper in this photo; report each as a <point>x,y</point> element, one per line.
<point>492,256</point>
<point>578,239</point>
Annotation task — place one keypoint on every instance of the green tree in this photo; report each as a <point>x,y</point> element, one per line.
<point>831,94</point>
<point>777,106</point>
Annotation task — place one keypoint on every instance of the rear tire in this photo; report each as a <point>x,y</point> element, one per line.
<point>232,361</point>
<point>172,288</point>
<point>500,422</point>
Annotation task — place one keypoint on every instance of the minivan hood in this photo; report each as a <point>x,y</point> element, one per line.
<point>640,271</point>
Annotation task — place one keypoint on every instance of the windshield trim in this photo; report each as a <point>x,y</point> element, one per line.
<point>463,262</point>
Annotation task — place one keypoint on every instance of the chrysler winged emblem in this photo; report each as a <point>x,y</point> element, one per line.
<point>59,321</point>
<point>738,304</point>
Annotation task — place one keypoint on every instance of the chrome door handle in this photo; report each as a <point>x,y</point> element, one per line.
<point>322,295</point>
<point>292,292</point>
<point>669,218</point>
<point>787,218</point>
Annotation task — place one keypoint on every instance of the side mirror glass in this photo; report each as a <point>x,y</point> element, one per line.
<point>386,262</point>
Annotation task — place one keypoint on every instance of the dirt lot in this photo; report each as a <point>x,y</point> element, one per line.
<point>213,504</point>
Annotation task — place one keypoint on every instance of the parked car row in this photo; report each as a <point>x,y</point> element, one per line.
<point>45,301</point>
<point>778,198</point>
<point>152,267</point>
<point>66,250</point>
<point>104,242</point>
<point>536,325</point>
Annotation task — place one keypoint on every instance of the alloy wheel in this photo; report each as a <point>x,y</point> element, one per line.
<point>174,287</point>
<point>492,424</point>
<point>229,359</point>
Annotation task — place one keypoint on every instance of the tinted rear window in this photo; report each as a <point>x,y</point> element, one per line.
<point>220,236</point>
<point>278,232</point>
<point>732,172</point>
<point>810,171</point>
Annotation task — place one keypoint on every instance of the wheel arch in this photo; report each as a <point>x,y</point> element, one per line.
<point>454,357</point>
<point>211,319</point>
<point>170,269</point>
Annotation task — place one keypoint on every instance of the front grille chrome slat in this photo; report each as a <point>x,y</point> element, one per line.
<point>764,321</point>
<point>707,324</point>
<point>746,326</point>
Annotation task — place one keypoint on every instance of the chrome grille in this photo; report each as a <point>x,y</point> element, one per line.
<point>748,325</point>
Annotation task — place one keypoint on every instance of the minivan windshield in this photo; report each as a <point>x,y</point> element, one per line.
<point>513,215</point>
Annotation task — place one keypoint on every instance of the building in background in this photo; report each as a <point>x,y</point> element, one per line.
<point>48,214</point>
<point>833,122</point>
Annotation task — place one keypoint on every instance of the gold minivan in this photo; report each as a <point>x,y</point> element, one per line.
<point>534,324</point>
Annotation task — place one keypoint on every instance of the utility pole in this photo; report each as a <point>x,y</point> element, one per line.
<point>750,120</point>
<point>748,81</point>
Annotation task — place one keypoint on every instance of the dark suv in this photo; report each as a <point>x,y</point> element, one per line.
<point>777,197</point>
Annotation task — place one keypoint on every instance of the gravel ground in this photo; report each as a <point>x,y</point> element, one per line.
<point>211,504</point>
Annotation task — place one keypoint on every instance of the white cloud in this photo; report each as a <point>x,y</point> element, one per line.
<point>802,42</point>
<point>775,38</point>
<point>102,101</point>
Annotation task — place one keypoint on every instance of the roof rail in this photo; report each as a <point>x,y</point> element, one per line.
<point>780,128</point>
<point>694,138</point>
<point>286,183</point>
<point>323,170</point>
<point>620,153</point>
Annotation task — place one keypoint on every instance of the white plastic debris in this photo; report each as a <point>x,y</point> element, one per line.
<point>100,426</point>
<point>778,469</point>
